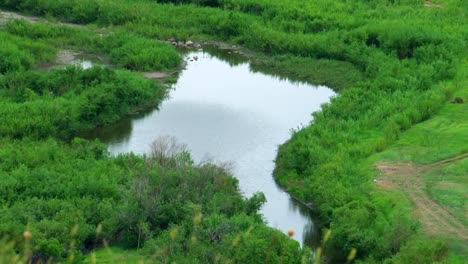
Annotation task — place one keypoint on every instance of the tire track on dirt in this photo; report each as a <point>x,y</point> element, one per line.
<point>409,178</point>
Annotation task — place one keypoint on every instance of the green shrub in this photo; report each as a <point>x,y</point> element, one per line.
<point>421,251</point>
<point>142,54</point>
<point>13,58</point>
<point>43,106</point>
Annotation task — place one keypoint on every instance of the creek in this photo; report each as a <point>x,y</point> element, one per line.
<point>226,112</point>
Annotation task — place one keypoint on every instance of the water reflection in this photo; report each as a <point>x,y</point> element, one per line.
<point>226,111</point>
<point>85,64</point>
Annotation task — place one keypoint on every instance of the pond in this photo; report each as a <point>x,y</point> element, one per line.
<point>224,111</point>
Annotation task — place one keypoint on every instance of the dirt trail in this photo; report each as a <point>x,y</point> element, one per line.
<point>432,4</point>
<point>409,177</point>
<point>446,161</point>
<point>6,15</point>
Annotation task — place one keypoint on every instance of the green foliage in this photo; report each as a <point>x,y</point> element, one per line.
<point>114,255</point>
<point>421,251</point>
<point>72,197</point>
<point>438,138</point>
<point>75,196</point>
<point>138,53</point>
<point>336,74</point>
<point>51,35</point>
<point>255,203</point>
<point>21,54</point>
<point>426,144</point>
<point>238,240</point>
<point>448,186</point>
<point>351,228</point>
<point>123,49</point>
<point>13,59</point>
<point>63,101</point>
<point>49,188</point>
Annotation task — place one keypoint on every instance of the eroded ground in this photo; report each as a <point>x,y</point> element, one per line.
<point>408,177</point>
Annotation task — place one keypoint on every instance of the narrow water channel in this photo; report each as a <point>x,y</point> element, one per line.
<point>225,112</point>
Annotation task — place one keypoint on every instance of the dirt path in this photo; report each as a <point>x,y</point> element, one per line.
<point>446,161</point>
<point>409,177</point>
<point>432,4</point>
<point>6,15</point>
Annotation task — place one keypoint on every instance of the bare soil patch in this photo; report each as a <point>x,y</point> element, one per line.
<point>5,16</point>
<point>432,4</point>
<point>408,177</point>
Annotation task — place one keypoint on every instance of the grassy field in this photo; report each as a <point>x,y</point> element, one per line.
<point>448,185</point>
<point>441,137</point>
<point>428,166</point>
<point>113,255</point>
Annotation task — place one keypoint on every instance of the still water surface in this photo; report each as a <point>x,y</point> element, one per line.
<point>225,112</point>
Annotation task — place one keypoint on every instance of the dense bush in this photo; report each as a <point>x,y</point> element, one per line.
<point>421,251</point>
<point>13,59</point>
<point>72,197</point>
<point>138,53</point>
<point>123,49</point>
<point>20,54</point>
<point>62,101</point>
<point>336,74</point>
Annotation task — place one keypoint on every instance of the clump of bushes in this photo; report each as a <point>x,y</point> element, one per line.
<point>124,50</point>
<point>63,101</point>
<point>458,100</point>
<point>13,58</point>
<point>141,54</point>
<point>74,197</point>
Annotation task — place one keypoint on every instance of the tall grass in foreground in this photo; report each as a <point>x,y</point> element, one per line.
<point>106,254</point>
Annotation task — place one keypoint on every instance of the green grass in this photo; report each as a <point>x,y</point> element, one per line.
<point>112,255</point>
<point>335,74</point>
<point>458,250</point>
<point>448,185</point>
<point>441,137</point>
<point>121,48</point>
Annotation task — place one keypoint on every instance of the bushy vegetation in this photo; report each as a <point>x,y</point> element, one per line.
<point>63,101</point>
<point>62,197</point>
<point>139,53</point>
<point>59,102</point>
<point>120,48</point>
<point>19,54</point>
<point>439,147</point>
<point>438,138</point>
<point>336,74</point>
<point>72,198</point>
<point>407,54</point>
